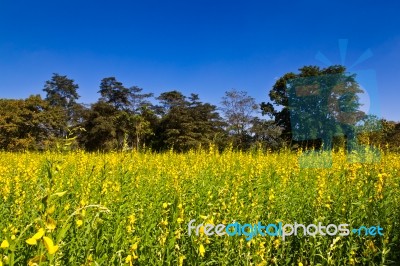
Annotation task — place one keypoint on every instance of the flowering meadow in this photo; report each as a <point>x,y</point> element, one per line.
<point>132,208</point>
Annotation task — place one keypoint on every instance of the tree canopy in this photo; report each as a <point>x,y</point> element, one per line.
<point>309,108</point>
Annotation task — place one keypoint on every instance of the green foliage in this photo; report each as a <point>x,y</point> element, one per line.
<point>30,124</point>
<point>126,118</point>
<point>317,103</point>
<point>114,93</point>
<point>61,91</point>
<point>186,123</point>
<point>238,109</point>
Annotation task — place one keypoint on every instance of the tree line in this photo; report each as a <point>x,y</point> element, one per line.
<point>125,118</point>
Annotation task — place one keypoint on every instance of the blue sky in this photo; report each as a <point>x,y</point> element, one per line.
<point>205,47</point>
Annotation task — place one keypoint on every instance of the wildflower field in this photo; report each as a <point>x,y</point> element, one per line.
<point>133,208</point>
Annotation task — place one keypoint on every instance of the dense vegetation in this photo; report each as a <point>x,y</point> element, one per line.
<point>133,208</point>
<point>127,118</point>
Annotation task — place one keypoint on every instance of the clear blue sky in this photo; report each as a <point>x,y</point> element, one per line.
<point>205,47</point>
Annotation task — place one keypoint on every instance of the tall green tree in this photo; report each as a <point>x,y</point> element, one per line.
<point>115,93</point>
<point>186,123</point>
<point>100,127</point>
<point>176,125</point>
<point>61,92</point>
<point>142,117</point>
<point>266,133</point>
<point>315,104</point>
<point>138,100</point>
<point>239,110</point>
<point>29,124</point>
<point>122,115</point>
<point>208,124</point>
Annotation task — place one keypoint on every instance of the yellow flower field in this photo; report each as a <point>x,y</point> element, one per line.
<point>133,208</point>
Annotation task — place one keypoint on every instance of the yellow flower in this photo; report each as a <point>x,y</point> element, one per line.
<point>165,205</point>
<point>132,218</point>
<point>79,223</point>
<point>248,244</point>
<point>4,244</point>
<point>164,222</point>
<point>50,224</point>
<point>181,259</point>
<point>51,210</point>
<point>277,242</point>
<point>179,220</point>
<point>135,256</point>
<point>31,241</point>
<point>202,250</point>
<point>128,259</point>
<point>201,230</point>
<point>39,234</point>
<point>300,264</point>
<point>134,247</point>
<point>51,248</point>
